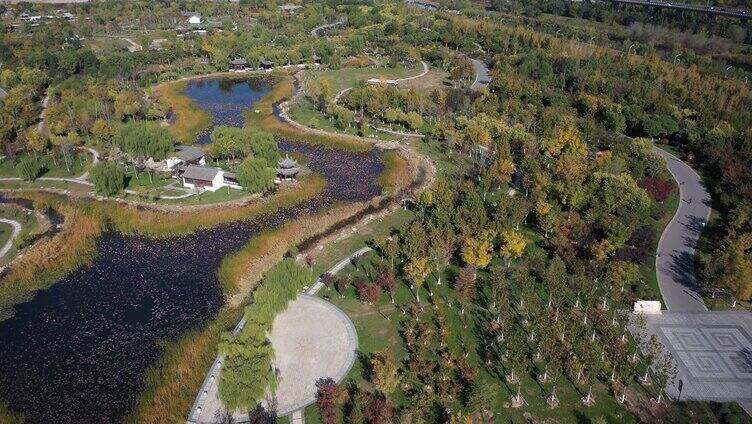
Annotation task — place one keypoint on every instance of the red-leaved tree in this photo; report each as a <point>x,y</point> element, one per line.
<point>658,189</point>
<point>368,292</point>
<point>328,398</point>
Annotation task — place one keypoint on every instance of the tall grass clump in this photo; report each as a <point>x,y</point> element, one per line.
<point>240,271</point>
<point>54,258</point>
<point>247,372</point>
<point>396,172</point>
<point>190,119</point>
<point>9,417</point>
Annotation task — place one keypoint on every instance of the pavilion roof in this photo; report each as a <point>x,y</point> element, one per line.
<point>287,162</point>
<point>288,172</point>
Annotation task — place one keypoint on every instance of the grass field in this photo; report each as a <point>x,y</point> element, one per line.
<point>306,114</point>
<point>347,77</point>
<point>74,165</point>
<point>59,185</point>
<point>380,326</point>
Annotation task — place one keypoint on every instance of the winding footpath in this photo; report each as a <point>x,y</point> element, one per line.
<point>16,230</point>
<point>315,32</point>
<point>398,80</point>
<point>675,257</point>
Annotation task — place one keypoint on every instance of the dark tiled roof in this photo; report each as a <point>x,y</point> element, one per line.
<point>202,173</point>
<point>189,153</point>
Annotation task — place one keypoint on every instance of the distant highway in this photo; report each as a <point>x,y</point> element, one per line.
<point>711,10</point>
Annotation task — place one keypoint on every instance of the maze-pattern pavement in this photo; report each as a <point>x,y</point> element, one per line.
<point>712,351</point>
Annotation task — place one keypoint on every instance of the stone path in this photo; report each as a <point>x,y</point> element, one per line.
<point>312,339</point>
<point>133,46</point>
<point>675,258</point>
<point>713,354</point>
<point>41,125</point>
<point>16,230</point>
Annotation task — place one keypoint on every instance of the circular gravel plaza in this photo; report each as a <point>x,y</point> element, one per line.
<point>312,339</point>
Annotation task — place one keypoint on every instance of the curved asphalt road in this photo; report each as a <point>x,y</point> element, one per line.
<point>675,261</point>
<point>482,79</point>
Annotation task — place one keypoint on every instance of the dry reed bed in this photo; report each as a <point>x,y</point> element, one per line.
<point>54,258</point>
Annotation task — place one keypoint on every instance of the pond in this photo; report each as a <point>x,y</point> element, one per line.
<point>78,352</point>
<point>226,100</point>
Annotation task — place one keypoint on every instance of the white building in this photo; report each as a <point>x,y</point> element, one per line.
<point>195,19</point>
<point>208,178</point>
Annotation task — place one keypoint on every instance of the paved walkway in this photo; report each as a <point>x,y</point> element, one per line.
<point>312,339</point>
<point>133,46</point>
<point>713,354</point>
<point>482,79</point>
<point>41,125</point>
<point>16,230</point>
<point>94,161</point>
<point>675,261</point>
<point>311,332</point>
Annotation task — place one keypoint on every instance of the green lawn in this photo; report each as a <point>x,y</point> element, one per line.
<point>60,185</point>
<point>207,197</point>
<point>71,166</point>
<point>380,326</point>
<point>305,113</point>
<point>147,180</point>
<point>6,230</point>
<point>336,251</point>
<point>347,77</point>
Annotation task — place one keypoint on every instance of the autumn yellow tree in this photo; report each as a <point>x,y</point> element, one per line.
<point>385,371</point>
<point>417,271</point>
<point>503,169</point>
<point>512,246</point>
<point>566,140</point>
<point>477,252</point>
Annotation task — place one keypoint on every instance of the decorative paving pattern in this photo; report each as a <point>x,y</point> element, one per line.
<point>712,351</point>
